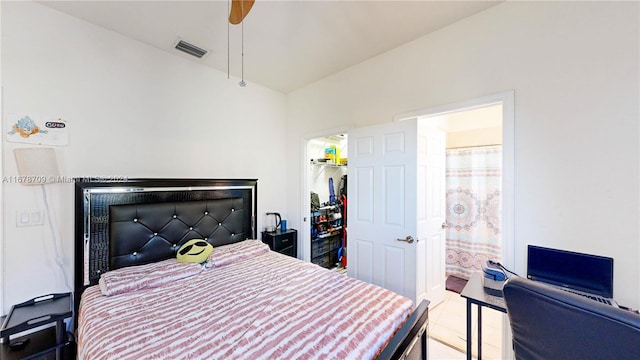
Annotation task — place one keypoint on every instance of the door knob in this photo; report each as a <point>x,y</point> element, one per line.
<point>408,239</point>
<point>445,225</point>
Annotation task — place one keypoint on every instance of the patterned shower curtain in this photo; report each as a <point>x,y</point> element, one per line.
<point>473,183</point>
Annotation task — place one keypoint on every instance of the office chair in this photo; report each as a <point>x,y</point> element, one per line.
<point>548,323</point>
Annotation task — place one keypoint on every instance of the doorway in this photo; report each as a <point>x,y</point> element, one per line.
<point>506,99</point>
<point>473,217</point>
<point>473,188</point>
<point>328,198</point>
<point>509,256</point>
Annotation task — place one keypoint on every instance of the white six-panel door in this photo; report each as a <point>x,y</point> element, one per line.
<point>390,232</point>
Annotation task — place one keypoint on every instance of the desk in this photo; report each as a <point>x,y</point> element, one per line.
<point>475,294</point>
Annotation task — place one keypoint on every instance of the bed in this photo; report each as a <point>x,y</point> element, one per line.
<point>133,300</point>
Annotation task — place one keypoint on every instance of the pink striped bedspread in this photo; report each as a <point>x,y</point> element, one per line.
<point>263,306</point>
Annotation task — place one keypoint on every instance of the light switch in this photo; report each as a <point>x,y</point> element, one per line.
<point>29,217</point>
<point>36,217</point>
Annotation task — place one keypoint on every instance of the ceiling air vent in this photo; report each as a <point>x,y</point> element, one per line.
<point>190,49</point>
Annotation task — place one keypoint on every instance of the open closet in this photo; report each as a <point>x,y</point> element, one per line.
<point>329,200</point>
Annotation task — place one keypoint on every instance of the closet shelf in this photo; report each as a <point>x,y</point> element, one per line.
<point>328,164</point>
<point>328,207</point>
<point>336,232</point>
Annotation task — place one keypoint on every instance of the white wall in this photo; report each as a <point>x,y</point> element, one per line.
<point>133,111</point>
<point>574,69</point>
<point>476,137</point>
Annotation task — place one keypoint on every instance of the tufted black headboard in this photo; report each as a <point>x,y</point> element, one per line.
<point>144,233</point>
<point>141,221</point>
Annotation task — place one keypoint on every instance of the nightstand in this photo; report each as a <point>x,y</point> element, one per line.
<point>49,343</point>
<point>284,242</point>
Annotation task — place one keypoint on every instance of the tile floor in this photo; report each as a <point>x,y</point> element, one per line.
<point>448,325</point>
<point>439,351</point>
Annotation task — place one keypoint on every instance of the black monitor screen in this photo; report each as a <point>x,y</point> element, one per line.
<point>584,272</point>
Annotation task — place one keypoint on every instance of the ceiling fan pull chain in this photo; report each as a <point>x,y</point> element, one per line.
<point>242,83</point>
<point>228,24</point>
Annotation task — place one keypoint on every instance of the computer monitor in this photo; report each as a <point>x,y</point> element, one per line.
<point>583,272</point>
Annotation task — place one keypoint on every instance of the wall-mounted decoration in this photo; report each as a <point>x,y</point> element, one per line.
<point>36,130</point>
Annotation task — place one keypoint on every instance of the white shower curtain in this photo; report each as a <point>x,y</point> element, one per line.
<point>473,183</point>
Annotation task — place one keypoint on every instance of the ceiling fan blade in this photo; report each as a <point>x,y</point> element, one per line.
<point>239,10</point>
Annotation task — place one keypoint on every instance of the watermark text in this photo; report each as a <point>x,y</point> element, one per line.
<point>57,179</point>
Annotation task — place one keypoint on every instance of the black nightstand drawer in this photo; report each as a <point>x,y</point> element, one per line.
<point>285,242</point>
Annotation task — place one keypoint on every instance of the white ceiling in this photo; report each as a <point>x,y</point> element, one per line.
<point>287,44</point>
